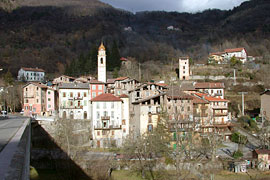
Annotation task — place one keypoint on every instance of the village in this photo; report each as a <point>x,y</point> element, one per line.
<point>125,107</point>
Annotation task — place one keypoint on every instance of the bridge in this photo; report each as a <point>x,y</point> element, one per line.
<point>15,141</point>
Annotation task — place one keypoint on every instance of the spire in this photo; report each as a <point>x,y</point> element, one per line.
<point>101,47</point>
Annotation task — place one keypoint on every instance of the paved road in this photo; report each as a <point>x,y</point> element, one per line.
<point>8,128</point>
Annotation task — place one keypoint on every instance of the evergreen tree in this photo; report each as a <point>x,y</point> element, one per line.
<point>8,79</point>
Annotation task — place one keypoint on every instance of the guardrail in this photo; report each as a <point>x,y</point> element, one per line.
<point>15,157</point>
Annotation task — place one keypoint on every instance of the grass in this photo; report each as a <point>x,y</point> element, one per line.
<point>125,175</point>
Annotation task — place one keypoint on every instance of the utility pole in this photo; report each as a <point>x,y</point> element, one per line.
<point>139,71</point>
<point>234,78</point>
<point>243,102</point>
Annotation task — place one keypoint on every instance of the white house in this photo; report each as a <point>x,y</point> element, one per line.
<point>215,89</point>
<point>239,53</point>
<point>109,128</point>
<point>31,74</point>
<point>184,68</point>
<point>74,101</point>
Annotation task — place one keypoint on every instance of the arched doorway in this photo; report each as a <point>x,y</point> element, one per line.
<point>71,115</point>
<point>64,116</point>
<point>85,115</point>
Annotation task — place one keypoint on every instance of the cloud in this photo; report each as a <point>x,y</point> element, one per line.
<point>173,5</point>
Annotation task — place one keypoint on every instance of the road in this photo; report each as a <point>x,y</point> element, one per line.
<point>8,128</point>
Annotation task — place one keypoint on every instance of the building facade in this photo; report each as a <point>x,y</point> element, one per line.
<point>31,74</point>
<point>74,101</point>
<point>108,126</point>
<point>184,68</point>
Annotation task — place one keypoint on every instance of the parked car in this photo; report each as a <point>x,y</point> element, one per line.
<point>4,114</point>
<point>22,112</point>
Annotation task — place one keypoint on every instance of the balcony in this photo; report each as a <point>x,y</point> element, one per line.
<point>105,117</point>
<point>78,98</point>
<point>71,107</point>
<point>221,114</point>
<point>110,127</point>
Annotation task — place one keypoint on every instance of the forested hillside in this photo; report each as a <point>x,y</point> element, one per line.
<point>53,33</point>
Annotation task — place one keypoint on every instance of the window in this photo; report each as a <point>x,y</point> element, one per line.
<point>71,103</point>
<point>112,114</point>
<point>26,101</point>
<point>97,105</point>
<point>49,106</point>
<point>150,128</point>
<point>49,99</point>
<point>99,87</point>
<point>105,113</point>
<point>79,94</point>
<point>84,94</point>
<point>79,103</point>
<point>98,115</point>
<point>123,122</point>
<point>112,133</point>
<point>37,100</point>
<point>49,92</point>
<point>98,133</point>
<point>184,67</point>
<point>26,89</point>
<point>93,94</point>
<point>93,87</point>
<point>99,93</point>
<point>64,94</point>
<point>71,94</point>
<point>37,88</point>
<point>188,108</point>
<point>182,109</point>
<point>112,105</point>
<point>101,60</point>
<point>124,130</point>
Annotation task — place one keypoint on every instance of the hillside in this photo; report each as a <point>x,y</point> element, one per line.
<point>49,34</point>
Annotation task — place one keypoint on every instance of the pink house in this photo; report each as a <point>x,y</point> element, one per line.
<point>38,99</point>
<point>96,88</point>
<point>50,101</point>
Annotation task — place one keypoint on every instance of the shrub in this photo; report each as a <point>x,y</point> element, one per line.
<point>237,154</point>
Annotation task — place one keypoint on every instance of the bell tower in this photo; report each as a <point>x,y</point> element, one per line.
<point>102,63</point>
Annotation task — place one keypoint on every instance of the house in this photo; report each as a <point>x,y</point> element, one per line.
<point>125,62</point>
<point>124,84</point>
<point>74,101</point>
<point>184,68</point>
<point>215,89</point>
<point>31,74</point>
<point>263,158</point>
<point>38,99</point>
<point>63,79</point>
<point>145,114</point>
<point>146,90</point>
<point>51,101</point>
<point>239,53</point>
<point>216,57</point>
<point>96,88</point>
<point>265,105</point>
<point>109,122</point>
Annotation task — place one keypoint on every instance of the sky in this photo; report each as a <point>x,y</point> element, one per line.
<point>173,5</point>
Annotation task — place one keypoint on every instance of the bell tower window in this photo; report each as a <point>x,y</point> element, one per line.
<point>101,60</point>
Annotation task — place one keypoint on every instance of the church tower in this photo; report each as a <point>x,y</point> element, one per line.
<point>102,63</point>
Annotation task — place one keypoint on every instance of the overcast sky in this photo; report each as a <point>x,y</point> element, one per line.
<point>173,5</point>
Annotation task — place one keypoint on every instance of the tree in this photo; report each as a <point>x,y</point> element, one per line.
<point>147,149</point>
<point>234,61</point>
<point>113,58</point>
<point>8,79</point>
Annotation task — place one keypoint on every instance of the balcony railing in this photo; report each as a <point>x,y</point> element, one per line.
<point>110,127</point>
<point>105,117</point>
<point>71,107</point>
<point>221,114</point>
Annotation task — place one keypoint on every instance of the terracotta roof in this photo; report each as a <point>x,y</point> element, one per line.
<point>162,84</point>
<point>262,151</point>
<point>101,47</point>
<point>210,98</point>
<point>33,69</point>
<point>176,93</point>
<point>216,53</point>
<point>209,85</point>
<point>123,59</point>
<point>234,50</point>
<point>120,78</point>
<point>106,97</point>
<point>197,100</point>
<point>37,84</point>
<point>123,96</point>
<point>110,81</point>
<point>94,81</point>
